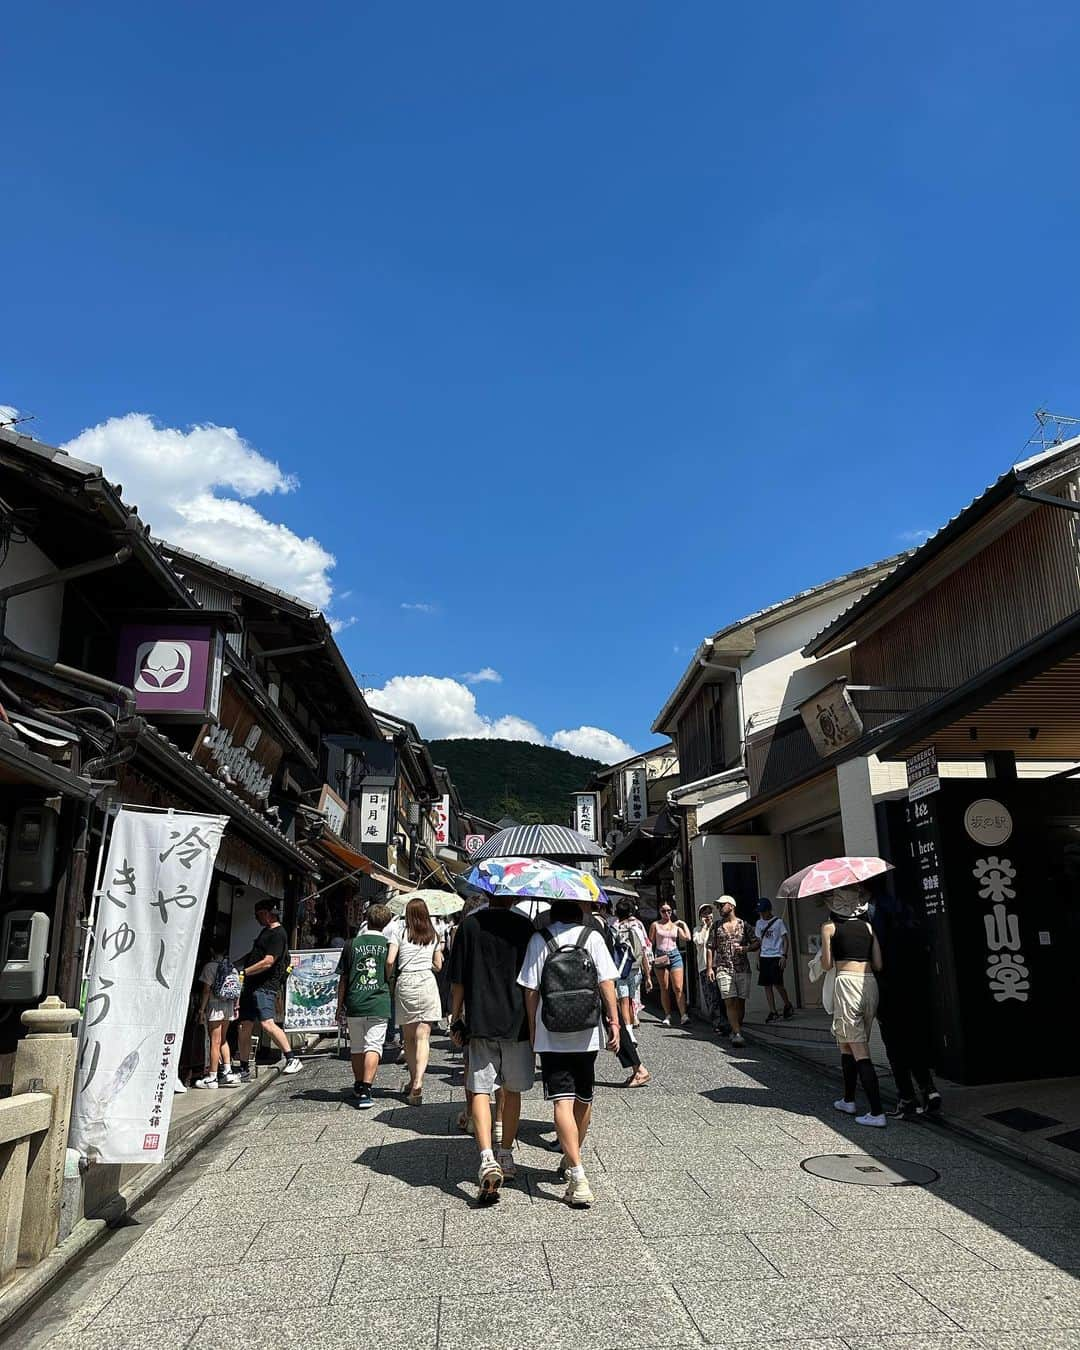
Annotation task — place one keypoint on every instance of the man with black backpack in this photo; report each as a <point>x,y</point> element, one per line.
<point>569,982</point>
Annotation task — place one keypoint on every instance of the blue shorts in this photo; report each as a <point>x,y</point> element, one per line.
<point>675,961</point>
<point>258,1005</point>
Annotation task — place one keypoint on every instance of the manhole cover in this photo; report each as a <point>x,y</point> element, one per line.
<point>860,1169</point>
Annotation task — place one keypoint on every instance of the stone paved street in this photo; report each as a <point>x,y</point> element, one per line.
<point>307,1223</point>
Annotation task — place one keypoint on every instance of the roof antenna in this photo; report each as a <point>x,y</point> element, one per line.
<point>1053,429</point>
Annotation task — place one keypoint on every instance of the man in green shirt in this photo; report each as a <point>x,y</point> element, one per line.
<point>364,998</point>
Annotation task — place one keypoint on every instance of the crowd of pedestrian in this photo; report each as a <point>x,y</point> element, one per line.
<point>524,984</point>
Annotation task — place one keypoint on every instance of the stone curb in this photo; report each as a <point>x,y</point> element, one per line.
<point>31,1287</point>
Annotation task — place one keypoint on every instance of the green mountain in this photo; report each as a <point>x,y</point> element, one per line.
<point>532,783</point>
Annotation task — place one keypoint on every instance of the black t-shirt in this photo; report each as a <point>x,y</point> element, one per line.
<point>488,951</point>
<point>270,942</point>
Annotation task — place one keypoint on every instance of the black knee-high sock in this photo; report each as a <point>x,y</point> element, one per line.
<point>868,1078</point>
<point>847,1068</point>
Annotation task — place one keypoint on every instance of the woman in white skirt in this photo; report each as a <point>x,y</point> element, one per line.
<point>416,995</point>
<point>849,947</point>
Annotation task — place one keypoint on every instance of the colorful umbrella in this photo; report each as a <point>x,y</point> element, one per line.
<point>439,903</point>
<point>555,842</point>
<point>830,874</point>
<point>536,879</point>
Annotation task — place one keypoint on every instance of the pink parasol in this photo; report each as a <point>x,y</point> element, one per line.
<point>830,874</point>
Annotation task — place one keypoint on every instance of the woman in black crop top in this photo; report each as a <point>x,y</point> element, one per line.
<point>850,949</point>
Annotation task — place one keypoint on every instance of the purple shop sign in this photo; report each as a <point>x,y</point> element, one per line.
<point>174,669</point>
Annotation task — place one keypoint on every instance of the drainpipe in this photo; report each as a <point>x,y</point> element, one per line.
<point>123,697</point>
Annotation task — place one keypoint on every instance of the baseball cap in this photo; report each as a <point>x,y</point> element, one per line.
<point>763,905</point>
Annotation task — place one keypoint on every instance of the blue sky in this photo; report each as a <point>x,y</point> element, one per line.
<point>580,329</point>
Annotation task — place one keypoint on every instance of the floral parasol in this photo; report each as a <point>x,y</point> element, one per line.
<point>536,879</point>
<point>830,874</point>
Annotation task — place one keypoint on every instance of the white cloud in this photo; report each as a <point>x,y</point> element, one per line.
<point>175,478</point>
<point>914,537</point>
<point>593,743</point>
<point>418,606</point>
<point>442,707</point>
<point>8,413</point>
<point>339,625</point>
<point>486,675</point>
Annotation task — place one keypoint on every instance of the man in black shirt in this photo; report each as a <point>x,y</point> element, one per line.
<point>264,970</point>
<point>487,954</point>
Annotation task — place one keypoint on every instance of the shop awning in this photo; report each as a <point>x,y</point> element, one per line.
<point>344,853</point>
<point>1028,703</point>
<point>195,785</point>
<point>646,843</point>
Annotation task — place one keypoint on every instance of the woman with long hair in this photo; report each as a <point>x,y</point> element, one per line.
<point>667,962</point>
<point>416,995</point>
<point>850,947</point>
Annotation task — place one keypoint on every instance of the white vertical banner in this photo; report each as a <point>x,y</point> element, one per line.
<point>586,814</point>
<point>146,936</point>
<point>636,787</point>
<point>375,815</point>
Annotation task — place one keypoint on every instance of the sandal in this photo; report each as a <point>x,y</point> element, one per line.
<point>635,1082</point>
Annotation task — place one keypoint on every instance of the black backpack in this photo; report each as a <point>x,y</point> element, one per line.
<point>569,988</point>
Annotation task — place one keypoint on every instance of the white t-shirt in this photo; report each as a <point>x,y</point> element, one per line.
<point>772,943</point>
<point>565,934</point>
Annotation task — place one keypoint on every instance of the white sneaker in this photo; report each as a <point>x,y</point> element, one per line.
<point>292,1065</point>
<point>206,1082</point>
<point>737,1039</point>
<point>178,1086</point>
<point>878,1122</point>
<point>848,1108</point>
<point>229,1080</point>
<point>578,1193</point>
<point>490,1179</point>
<point>564,1165</point>
<point>666,1022</point>
<point>505,1159</point>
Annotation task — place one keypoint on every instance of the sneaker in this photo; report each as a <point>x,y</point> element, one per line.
<point>228,1080</point>
<point>666,1022</point>
<point>848,1108</point>
<point>772,1017</point>
<point>178,1086</point>
<point>789,1013</point>
<point>933,1103</point>
<point>245,1075</point>
<point>505,1159</point>
<point>737,1038</point>
<point>564,1165</point>
<point>363,1098</point>
<point>904,1110</point>
<point>206,1082</point>
<point>292,1065</point>
<point>490,1179</point>
<point>578,1194</point>
<point>878,1122</point>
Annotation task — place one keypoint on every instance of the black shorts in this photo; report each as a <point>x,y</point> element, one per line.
<point>770,972</point>
<point>568,1075</point>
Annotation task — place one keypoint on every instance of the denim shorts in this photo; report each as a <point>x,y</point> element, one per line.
<point>629,987</point>
<point>675,961</point>
<point>258,1005</point>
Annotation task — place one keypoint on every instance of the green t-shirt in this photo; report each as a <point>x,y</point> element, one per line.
<point>363,963</point>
